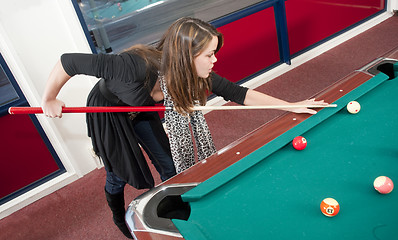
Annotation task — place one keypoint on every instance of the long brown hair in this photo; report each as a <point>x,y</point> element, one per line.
<point>185,39</point>
<point>150,55</point>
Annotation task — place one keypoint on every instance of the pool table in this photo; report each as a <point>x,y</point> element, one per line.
<point>260,187</point>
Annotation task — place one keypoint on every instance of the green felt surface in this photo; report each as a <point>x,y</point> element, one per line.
<point>275,192</point>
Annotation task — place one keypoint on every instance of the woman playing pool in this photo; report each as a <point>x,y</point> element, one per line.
<point>177,71</point>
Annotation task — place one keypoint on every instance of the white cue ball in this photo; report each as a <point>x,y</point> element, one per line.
<point>353,107</point>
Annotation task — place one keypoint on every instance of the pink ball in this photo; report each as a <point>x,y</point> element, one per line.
<point>383,184</point>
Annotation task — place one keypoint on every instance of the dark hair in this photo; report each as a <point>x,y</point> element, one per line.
<point>150,55</point>
<point>185,39</point>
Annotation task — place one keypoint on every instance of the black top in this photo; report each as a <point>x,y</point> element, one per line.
<point>112,134</point>
<point>125,74</point>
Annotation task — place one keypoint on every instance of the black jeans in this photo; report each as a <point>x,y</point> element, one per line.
<point>160,159</point>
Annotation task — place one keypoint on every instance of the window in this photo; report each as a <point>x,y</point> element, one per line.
<point>7,92</point>
<point>10,94</point>
<point>116,25</point>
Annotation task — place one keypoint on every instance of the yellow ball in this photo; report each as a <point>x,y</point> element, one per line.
<point>353,107</point>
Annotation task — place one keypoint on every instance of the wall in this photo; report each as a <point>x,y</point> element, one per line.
<point>33,35</point>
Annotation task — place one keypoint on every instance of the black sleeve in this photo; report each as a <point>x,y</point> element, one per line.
<point>77,63</point>
<point>124,74</point>
<point>108,66</point>
<point>228,90</point>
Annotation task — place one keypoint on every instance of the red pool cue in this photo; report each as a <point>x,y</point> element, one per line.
<point>38,110</point>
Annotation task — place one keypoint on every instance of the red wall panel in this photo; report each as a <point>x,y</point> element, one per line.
<point>24,156</point>
<point>311,21</point>
<point>250,45</point>
<point>251,42</point>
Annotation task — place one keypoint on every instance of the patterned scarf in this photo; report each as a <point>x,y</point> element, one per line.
<point>179,133</point>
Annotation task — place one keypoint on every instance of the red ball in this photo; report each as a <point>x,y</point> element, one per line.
<point>299,143</point>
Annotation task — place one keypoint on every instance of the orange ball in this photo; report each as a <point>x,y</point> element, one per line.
<point>299,143</point>
<point>330,207</point>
